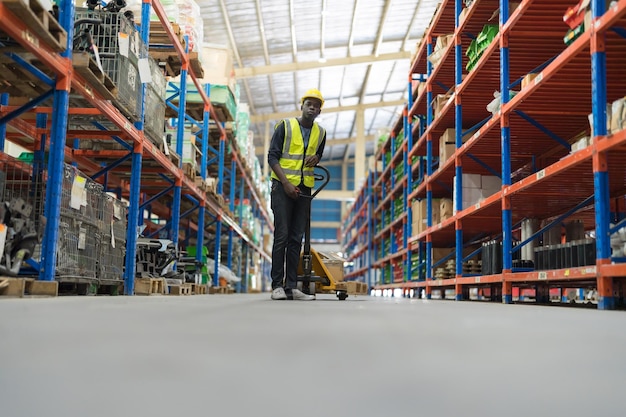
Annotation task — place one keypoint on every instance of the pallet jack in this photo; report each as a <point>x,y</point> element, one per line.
<point>311,262</point>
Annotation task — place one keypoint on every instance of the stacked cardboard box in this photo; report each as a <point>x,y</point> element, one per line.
<point>447,144</point>
<point>477,187</point>
<point>419,213</point>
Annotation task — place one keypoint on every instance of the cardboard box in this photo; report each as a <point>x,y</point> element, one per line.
<point>472,181</point>
<point>419,214</point>
<point>447,143</point>
<point>439,101</point>
<point>528,78</point>
<point>491,182</point>
<point>445,208</point>
<point>580,144</point>
<point>618,115</point>
<point>609,113</point>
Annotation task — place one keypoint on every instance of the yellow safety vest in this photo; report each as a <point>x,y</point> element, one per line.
<point>292,158</point>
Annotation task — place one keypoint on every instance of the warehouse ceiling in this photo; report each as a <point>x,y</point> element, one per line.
<point>356,52</point>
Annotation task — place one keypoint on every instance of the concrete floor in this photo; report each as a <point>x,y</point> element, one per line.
<point>244,355</point>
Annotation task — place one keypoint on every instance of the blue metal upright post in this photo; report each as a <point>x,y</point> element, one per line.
<point>203,174</point>
<point>606,298</point>
<point>458,140</point>
<point>507,217</point>
<point>135,179</point>
<point>429,159</point>
<point>370,235</point>
<point>4,101</point>
<point>405,197</point>
<point>231,196</point>
<point>57,148</point>
<point>218,223</point>
<point>180,136</point>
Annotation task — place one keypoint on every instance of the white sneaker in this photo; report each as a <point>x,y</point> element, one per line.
<point>279,294</point>
<point>296,294</point>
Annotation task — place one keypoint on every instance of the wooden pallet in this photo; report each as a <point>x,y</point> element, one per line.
<point>40,22</point>
<point>221,290</point>
<point>159,36</point>
<point>353,287</point>
<point>86,66</point>
<point>198,289</point>
<point>182,289</point>
<point>189,171</point>
<point>149,286</point>
<point>25,287</point>
<point>173,63</point>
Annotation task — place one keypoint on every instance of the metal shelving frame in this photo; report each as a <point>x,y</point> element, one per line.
<point>528,136</point>
<point>131,137</point>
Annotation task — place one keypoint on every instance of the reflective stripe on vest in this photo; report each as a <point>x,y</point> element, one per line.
<point>292,158</point>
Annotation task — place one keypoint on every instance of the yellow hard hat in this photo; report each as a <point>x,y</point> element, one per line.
<point>313,93</point>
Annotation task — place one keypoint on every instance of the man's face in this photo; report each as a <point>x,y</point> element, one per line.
<point>311,108</point>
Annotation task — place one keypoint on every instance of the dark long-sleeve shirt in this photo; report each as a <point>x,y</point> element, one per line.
<point>278,140</point>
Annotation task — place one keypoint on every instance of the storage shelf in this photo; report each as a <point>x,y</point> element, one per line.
<point>531,136</point>
<point>159,171</point>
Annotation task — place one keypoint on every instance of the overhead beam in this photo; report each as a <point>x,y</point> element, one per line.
<point>248,72</point>
<point>277,116</point>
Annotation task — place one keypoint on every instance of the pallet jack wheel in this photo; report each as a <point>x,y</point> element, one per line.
<point>342,295</point>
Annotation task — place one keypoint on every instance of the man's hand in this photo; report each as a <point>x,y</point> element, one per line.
<point>311,161</point>
<point>291,190</point>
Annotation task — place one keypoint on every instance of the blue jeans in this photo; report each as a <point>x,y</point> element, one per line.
<point>290,217</point>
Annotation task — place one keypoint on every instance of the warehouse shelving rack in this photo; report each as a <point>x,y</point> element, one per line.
<point>109,166</point>
<point>525,143</point>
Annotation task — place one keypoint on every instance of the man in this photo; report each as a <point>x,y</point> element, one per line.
<point>297,146</point>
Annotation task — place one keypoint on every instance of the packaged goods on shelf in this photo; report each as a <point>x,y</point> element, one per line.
<point>473,189</point>
<point>479,45</point>
<point>419,214</point>
<point>565,255</point>
<point>222,99</point>
<point>217,64</point>
<point>190,151</point>
<point>447,143</point>
<point>618,242</point>
<point>446,209</point>
<point>609,114</point>
<point>439,102</point>
<point>494,105</point>
<point>170,6</point>
<point>617,115</point>
<point>382,135</point>
<point>441,44</point>
<point>528,78</point>
<point>185,13</point>
<point>580,144</point>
